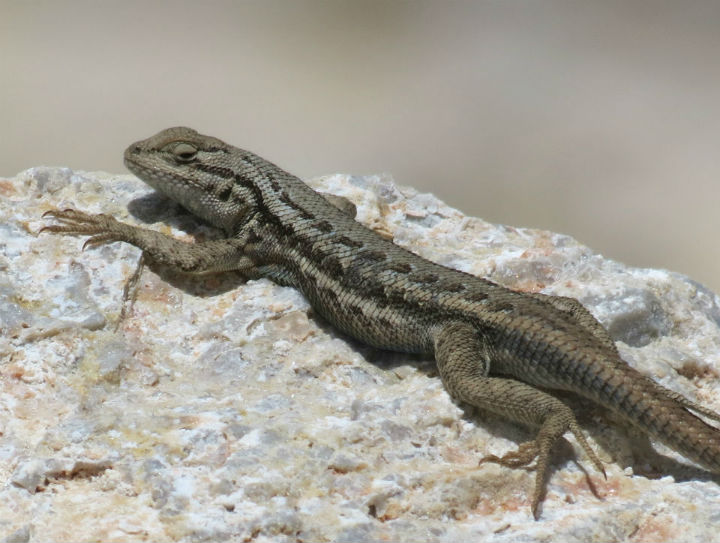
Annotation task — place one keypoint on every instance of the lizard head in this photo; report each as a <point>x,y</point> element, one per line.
<point>199,172</point>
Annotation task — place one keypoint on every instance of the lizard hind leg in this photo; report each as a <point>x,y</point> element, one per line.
<point>540,448</point>
<point>463,363</point>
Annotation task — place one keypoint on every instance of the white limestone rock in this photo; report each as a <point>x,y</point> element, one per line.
<point>225,410</point>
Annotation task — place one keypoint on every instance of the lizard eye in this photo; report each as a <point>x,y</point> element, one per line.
<point>184,152</point>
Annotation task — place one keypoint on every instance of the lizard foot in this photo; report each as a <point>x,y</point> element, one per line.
<point>100,228</point>
<point>552,430</point>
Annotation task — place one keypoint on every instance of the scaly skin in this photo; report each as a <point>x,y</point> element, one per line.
<point>494,347</point>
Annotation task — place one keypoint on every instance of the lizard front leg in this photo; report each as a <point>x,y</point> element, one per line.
<point>205,257</point>
<point>463,362</point>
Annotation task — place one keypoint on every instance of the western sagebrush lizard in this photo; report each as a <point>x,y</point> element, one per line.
<point>495,348</point>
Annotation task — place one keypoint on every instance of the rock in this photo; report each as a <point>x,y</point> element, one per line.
<point>225,409</point>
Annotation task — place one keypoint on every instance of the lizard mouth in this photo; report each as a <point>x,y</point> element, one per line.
<point>129,157</point>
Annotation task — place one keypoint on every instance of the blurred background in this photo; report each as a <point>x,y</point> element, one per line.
<point>596,119</point>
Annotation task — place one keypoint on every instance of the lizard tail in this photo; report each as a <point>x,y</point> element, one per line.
<point>664,414</point>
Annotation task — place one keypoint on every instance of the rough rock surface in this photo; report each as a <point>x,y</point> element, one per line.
<point>221,409</point>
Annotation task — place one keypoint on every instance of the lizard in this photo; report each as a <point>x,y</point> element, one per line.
<point>497,349</point>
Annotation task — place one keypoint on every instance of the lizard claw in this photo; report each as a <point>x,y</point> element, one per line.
<point>101,228</point>
<point>522,456</point>
<point>540,449</point>
<point>98,239</point>
<point>577,432</point>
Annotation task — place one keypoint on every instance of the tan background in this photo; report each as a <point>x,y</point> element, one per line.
<point>600,120</point>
